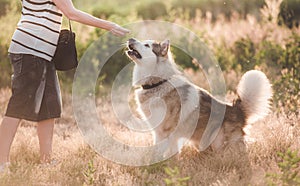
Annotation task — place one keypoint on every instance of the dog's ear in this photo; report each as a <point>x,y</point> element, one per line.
<point>164,47</point>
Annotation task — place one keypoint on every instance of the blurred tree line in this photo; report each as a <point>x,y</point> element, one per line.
<point>289,10</point>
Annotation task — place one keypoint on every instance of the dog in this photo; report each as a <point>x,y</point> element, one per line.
<point>158,77</point>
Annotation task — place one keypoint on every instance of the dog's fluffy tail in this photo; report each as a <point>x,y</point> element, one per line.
<point>255,92</point>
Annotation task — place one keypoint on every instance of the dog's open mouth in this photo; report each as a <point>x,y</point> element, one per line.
<point>132,52</point>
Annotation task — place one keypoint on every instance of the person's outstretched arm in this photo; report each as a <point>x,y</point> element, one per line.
<point>67,8</point>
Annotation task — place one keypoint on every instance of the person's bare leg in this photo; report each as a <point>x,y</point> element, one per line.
<point>45,134</point>
<point>8,130</point>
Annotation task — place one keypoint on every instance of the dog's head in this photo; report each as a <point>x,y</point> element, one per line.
<point>147,51</point>
<point>151,58</point>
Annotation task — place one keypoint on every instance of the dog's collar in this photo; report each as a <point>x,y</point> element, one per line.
<point>147,86</point>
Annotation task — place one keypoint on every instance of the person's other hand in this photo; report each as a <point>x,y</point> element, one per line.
<point>117,30</point>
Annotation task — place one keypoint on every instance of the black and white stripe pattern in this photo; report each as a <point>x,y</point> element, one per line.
<point>38,29</point>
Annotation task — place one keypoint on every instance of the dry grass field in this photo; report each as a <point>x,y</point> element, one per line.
<point>272,155</point>
<point>78,164</point>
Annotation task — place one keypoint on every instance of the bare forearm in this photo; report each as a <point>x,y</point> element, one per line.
<point>82,17</point>
<point>66,6</point>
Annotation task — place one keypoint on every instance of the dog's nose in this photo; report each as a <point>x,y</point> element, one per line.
<point>131,40</point>
<point>131,43</point>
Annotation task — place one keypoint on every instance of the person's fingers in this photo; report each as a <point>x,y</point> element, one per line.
<point>119,31</point>
<point>124,30</point>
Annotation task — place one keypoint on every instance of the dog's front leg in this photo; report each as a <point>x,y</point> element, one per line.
<point>159,135</point>
<point>170,146</point>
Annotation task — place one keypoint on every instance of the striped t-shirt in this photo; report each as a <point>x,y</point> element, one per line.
<point>38,29</point>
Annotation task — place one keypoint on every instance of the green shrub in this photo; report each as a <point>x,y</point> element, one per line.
<point>244,52</point>
<point>225,58</point>
<point>269,53</point>
<point>152,10</point>
<point>289,170</point>
<point>183,59</point>
<point>89,173</point>
<point>288,86</point>
<point>174,177</point>
<point>281,64</point>
<point>289,13</point>
<point>3,6</point>
<point>8,22</point>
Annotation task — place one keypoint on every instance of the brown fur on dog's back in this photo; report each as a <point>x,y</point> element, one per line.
<point>232,126</point>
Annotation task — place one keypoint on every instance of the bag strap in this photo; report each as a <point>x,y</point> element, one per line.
<point>70,26</point>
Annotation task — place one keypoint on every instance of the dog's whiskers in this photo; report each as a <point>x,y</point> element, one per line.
<point>123,44</point>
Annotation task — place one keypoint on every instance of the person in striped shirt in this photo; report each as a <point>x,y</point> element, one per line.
<point>35,89</point>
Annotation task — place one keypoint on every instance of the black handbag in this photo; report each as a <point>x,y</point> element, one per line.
<point>65,57</point>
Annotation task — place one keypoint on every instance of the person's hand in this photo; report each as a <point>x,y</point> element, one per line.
<point>117,30</point>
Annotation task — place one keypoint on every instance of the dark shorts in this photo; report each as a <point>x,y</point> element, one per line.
<point>35,89</point>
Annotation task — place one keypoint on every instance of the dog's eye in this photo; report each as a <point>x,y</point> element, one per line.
<point>147,45</point>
